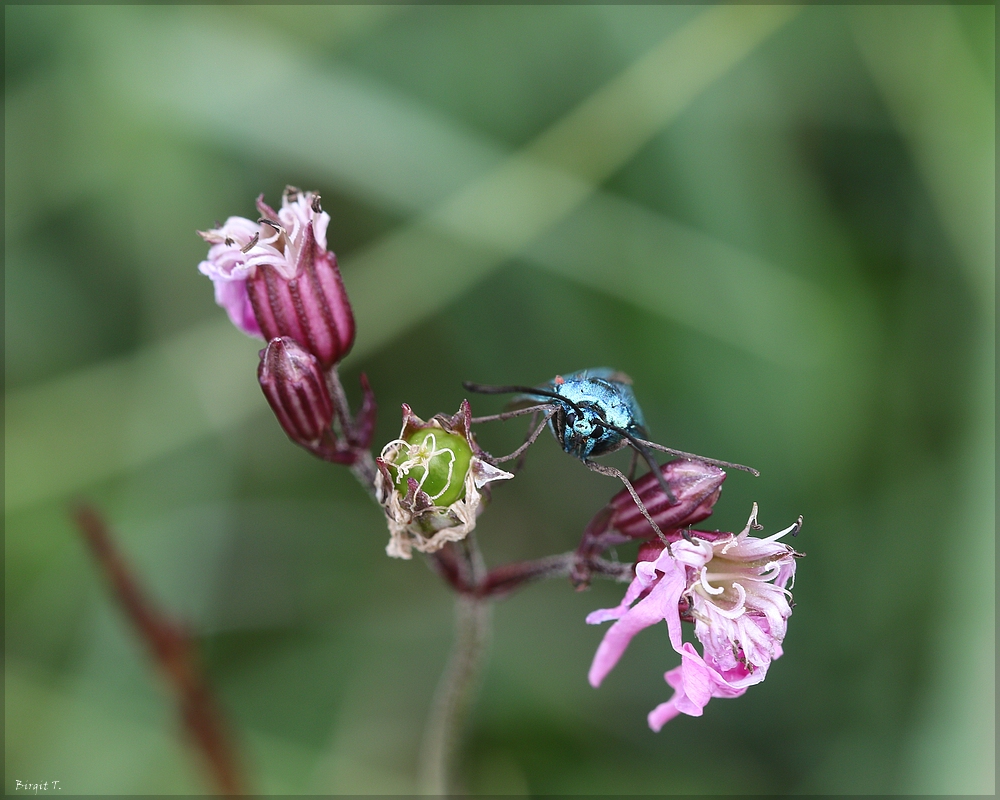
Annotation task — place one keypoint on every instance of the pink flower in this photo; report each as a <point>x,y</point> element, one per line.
<point>732,586</point>
<point>275,276</point>
<point>228,267</point>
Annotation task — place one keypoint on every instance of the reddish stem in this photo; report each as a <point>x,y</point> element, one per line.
<point>503,580</point>
<point>172,649</point>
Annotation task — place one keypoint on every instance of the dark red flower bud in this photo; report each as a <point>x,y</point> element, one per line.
<point>696,487</point>
<point>296,390</point>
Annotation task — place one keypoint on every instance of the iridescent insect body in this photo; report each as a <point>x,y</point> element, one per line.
<point>591,413</point>
<point>594,407</point>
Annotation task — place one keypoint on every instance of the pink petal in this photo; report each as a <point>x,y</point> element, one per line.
<point>637,587</point>
<point>662,714</point>
<point>232,296</point>
<point>695,682</point>
<point>659,604</point>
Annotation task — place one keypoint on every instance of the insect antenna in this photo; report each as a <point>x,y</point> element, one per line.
<point>479,388</point>
<point>517,412</point>
<point>482,388</point>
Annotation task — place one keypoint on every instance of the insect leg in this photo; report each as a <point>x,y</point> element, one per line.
<point>604,469</point>
<point>518,412</point>
<point>520,462</point>
<point>694,457</point>
<point>639,446</point>
<point>530,440</point>
<point>653,467</point>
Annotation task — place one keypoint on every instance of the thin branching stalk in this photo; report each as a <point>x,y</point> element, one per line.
<point>455,692</point>
<point>364,470</point>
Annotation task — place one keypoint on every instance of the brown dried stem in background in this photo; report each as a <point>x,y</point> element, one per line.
<point>172,649</point>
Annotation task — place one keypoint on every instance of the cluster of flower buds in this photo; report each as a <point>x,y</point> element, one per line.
<point>432,482</point>
<point>733,587</point>
<point>277,281</point>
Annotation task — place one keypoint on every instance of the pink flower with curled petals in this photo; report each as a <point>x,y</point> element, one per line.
<point>695,683</point>
<point>732,586</point>
<point>227,266</point>
<point>275,277</point>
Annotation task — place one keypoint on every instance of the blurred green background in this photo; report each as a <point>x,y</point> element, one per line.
<point>779,221</point>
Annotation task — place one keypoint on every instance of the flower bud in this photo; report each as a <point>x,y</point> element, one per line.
<point>296,391</point>
<point>432,482</point>
<point>276,278</point>
<point>696,487</point>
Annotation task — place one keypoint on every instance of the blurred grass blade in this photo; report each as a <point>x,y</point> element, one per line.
<point>67,433</point>
<point>947,114</point>
<point>730,296</point>
<point>414,270</point>
<point>554,173</point>
<point>944,109</point>
<point>267,99</point>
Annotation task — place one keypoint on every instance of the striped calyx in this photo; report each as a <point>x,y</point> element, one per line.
<point>296,390</point>
<point>695,485</point>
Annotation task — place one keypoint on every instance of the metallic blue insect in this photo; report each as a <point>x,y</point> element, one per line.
<point>596,411</point>
<point>592,412</point>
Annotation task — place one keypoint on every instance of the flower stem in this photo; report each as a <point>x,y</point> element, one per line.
<point>364,470</point>
<point>454,694</point>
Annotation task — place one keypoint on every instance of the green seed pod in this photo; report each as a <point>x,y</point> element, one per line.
<point>448,474</point>
<point>438,461</point>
